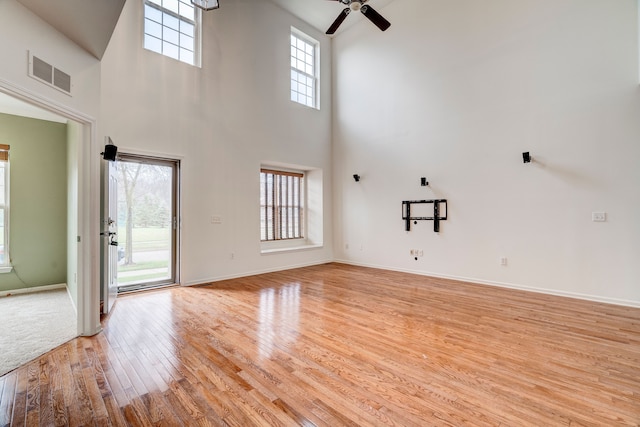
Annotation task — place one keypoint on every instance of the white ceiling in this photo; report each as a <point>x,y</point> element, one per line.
<point>87,23</point>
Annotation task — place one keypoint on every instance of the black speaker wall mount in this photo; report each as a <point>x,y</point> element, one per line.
<point>110,150</point>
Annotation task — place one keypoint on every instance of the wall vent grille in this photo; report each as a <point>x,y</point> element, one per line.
<point>48,74</point>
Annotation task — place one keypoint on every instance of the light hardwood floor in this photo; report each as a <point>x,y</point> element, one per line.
<point>336,345</point>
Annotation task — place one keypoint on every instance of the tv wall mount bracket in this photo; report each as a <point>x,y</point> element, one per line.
<point>439,206</point>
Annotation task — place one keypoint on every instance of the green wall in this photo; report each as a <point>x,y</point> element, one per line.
<point>38,202</point>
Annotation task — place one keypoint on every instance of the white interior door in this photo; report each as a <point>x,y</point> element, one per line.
<point>110,236</point>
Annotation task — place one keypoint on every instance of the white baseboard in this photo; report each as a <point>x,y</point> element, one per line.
<point>252,273</point>
<point>595,298</point>
<point>73,304</point>
<point>32,290</point>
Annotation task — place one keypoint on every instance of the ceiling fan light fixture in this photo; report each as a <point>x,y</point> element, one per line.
<point>206,4</point>
<point>355,6</point>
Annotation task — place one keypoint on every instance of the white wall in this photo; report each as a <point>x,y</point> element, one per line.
<point>21,31</point>
<point>455,91</point>
<point>222,121</point>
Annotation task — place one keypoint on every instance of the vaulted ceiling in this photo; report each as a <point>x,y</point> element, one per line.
<point>90,23</point>
<point>87,23</point>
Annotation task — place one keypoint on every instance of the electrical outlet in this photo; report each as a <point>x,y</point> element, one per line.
<point>421,253</point>
<point>216,219</point>
<point>346,246</point>
<point>598,216</point>
<point>503,260</point>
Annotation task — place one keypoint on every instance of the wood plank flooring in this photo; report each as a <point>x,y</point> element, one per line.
<point>338,345</point>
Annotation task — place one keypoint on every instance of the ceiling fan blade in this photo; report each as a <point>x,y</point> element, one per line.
<point>375,17</point>
<point>339,20</point>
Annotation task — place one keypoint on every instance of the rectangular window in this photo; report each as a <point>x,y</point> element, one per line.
<point>281,205</point>
<point>4,206</point>
<point>172,28</point>
<point>304,69</point>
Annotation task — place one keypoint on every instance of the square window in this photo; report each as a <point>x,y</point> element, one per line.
<point>172,28</point>
<point>153,43</point>
<point>171,36</point>
<point>171,22</point>
<point>170,50</point>
<point>152,28</point>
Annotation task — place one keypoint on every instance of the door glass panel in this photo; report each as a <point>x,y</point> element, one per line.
<point>146,234</point>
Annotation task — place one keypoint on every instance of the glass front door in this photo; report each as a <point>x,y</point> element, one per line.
<point>147,222</point>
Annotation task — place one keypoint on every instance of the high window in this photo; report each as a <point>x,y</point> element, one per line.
<point>4,208</point>
<point>172,28</point>
<point>281,205</point>
<point>304,69</point>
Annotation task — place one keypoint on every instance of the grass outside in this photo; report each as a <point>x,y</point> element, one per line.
<point>145,240</point>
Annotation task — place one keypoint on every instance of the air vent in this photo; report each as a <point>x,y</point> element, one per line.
<point>62,80</point>
<point>42,70</point>
<point>48,74</point>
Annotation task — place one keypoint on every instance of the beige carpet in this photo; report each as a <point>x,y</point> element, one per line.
<point>32,324</point>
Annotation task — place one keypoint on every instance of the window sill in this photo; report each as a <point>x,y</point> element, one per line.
<point>7,269</point>
<point>289,249</point>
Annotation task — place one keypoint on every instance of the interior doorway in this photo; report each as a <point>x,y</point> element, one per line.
<point>147,218</point>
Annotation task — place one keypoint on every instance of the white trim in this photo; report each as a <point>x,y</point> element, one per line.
<point>33,290</point>
<point>161,155</point>
<point>252,273</point>
<point>6,269</point>
<point>289,249</point>
<point>42,102</point>
<point>88,206</point>
<point>576,295</point>
<point>73,304</point>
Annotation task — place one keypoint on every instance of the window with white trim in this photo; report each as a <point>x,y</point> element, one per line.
<point>304,69</point>
<point>5,262</point>
<point>281,205</point>
<point>172,28</point>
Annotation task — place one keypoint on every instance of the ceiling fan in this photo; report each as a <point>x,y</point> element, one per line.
<point>358,5</point>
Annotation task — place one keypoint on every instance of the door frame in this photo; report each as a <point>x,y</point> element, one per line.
<point>88,239</point>
<point>108,255</point>
<point>125,154</point>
